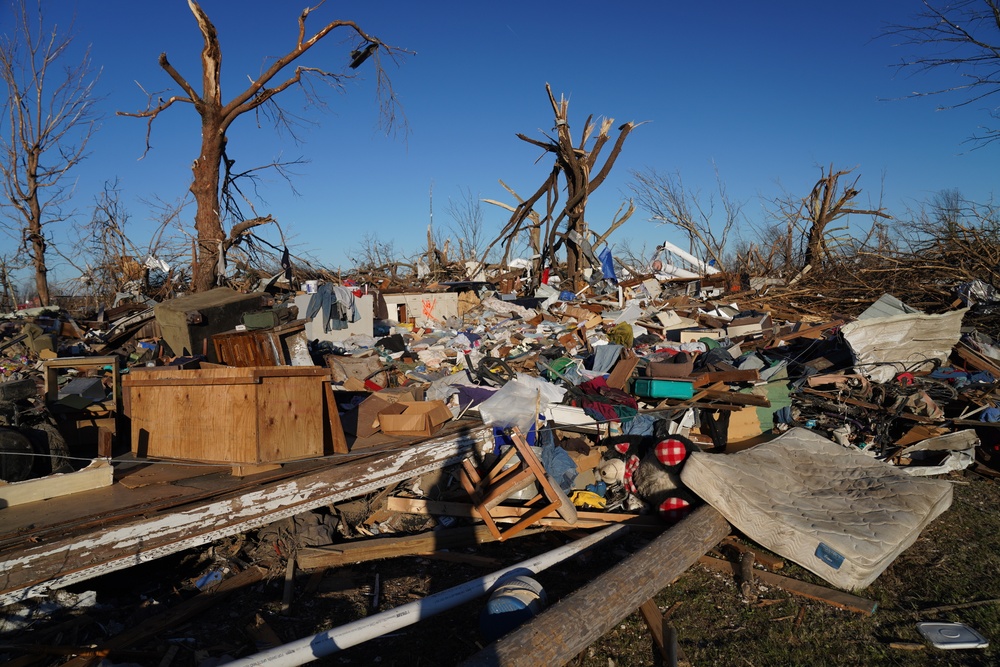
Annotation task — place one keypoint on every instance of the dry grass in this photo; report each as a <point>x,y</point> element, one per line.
<point>956,560</point>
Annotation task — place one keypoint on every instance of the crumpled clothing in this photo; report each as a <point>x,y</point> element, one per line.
<point>621,334</point>
<point>337,305</point>
<point>557,462</point>
<point>640,425</point>
<point>990,415</point>
<point>605,356</point>
<point>605,403</point>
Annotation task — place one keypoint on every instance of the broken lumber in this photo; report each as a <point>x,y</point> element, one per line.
<point>359,551</point>
<point>562,631</point>
<point>830,596</point>
<point>511,513</point>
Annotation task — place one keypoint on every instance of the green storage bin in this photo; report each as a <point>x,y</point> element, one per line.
<point>660,388</point>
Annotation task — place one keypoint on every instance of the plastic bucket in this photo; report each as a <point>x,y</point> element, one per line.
<point>511,603</point>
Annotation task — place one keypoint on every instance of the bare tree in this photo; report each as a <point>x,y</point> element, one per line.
<point>578,166</point>
<point>50,116</point>
<point>109,258</point>
<point>217,116</point>
<point>962,39</point>
<point>824,205</point>
<point>668,202</point>
<point>468,224</point>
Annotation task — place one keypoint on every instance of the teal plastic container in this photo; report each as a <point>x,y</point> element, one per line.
<point>660,388</point>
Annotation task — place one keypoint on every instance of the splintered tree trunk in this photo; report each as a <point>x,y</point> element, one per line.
<point>205,189</point>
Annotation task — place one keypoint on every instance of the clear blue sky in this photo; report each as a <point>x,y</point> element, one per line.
<point>767,91</point>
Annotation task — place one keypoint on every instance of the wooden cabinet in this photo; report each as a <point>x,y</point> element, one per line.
<point>228,415</point>
<point>283,345</point>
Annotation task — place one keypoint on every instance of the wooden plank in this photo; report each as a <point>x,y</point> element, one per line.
<point>556,636</point>
<point>148,473</point>
<point>290,419</point>
<point>710,377</point>
<point>362,550</point>
<point>809,332</point>
<point>736,398</point>
<point>69,557</point>
<point>830,596</point>
<point>976,360</point>
<point>97,474</point>
<point>509,512</point>
<point>657,628</point>
<point>623,370</point>
<point>337,437</point>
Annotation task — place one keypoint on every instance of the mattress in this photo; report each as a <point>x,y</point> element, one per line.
<point>833,510</point>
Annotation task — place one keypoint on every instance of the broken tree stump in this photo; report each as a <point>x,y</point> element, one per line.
<point>558,634</point>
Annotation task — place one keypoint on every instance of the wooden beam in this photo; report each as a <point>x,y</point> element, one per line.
<point>832,597</point>
<point>562,631</point>
<point>736,398</point>
<point>359,551</point>
<point>138,537</point>
<point>512,513</point>
<point>97,474</point>
<point>710,377</point>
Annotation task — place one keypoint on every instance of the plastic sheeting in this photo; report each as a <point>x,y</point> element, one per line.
<point>885,346</point>
<point>519,402</point>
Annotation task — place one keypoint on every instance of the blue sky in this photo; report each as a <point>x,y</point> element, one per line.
<point>767,92</point>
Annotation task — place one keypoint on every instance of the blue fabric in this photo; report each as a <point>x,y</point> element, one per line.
<point>990,415</point>
<point>640,425</point>
<point>605,357</point>
<point>783,415</point>
<point>557,462</point>
<point>607,265</point>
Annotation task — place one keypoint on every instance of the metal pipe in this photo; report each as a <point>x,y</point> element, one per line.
<point>305,650</point>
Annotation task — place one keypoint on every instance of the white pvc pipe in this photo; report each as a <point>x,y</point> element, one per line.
<point>677,272</point>
<point>326,643</point>
<point>667,245</point>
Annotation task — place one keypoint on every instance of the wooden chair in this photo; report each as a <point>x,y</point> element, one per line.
<point>499,483</point>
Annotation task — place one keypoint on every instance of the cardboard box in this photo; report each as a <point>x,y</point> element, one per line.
<point>363,420</point>
<point>417,418</point>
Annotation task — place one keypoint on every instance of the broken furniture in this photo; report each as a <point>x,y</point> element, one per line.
<point>188,323</point>
<point>53,366</point>
<point>88,415</point>
<point>507,476</point>
<point>241,416</point>
<point>281,345</point>
<point>837,511</point>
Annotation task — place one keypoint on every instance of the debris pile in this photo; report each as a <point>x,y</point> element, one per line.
<point>353,423</point>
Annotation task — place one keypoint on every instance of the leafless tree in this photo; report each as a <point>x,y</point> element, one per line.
<point>468,225</point>
<point>962,40</point>
<point>803,224</point>
<point>668,202</point>
<point>50,115</point>
<point>217,115</point>
<point>109,258</point>
<point>577,164</point>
